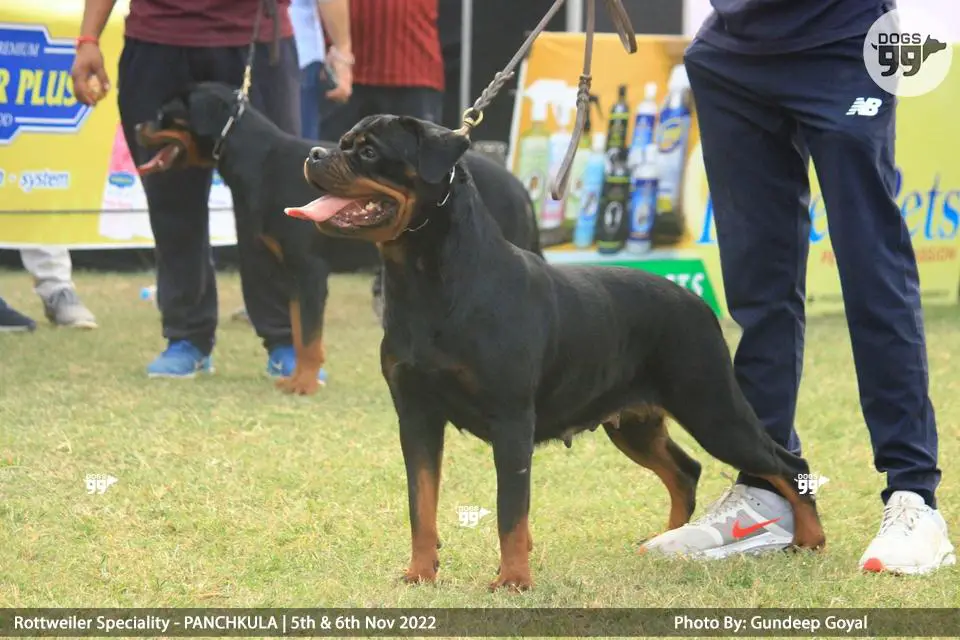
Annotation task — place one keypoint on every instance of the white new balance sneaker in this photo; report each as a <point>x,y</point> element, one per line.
<point>912,538</point>
<point>743,520</point>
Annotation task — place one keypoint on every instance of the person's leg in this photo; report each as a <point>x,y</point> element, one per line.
<point>52,273</point>
<point>416,102</point>
<point>854,157</point>
<point>310,94</point>
<point>757,171</point>
<point>148,75</point>
<point>265,283</point>
<point>336,119</point>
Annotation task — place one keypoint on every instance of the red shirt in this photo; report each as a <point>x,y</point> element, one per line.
<point>203,23</point>
<point>396,43</point>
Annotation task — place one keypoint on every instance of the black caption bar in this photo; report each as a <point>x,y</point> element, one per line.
<point>316,623</point>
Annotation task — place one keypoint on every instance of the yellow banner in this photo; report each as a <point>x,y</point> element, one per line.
<point>66,176</point>
<point>928,186</point>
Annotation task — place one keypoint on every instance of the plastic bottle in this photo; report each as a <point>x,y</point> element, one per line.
<point>575,193</point>
<point>619,122</point>
<point>643,201</point>
<point>593,178</point>
<point>673,134</point>
<point>533,151</point>
<point>644,125</point>
<point>613,219</point>
<point>551,216</point>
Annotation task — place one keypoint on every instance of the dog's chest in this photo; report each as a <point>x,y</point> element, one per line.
<point>443,375</point>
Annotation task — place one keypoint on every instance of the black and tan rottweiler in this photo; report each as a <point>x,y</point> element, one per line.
<point>209,125</point>
<point>518,352</point>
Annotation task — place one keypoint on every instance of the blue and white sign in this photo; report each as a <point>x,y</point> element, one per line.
<point>36,93</point>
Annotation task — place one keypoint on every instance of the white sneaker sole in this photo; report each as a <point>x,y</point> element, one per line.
<point>946,558</point>
<point>763,543</point>
<point>80,324</point>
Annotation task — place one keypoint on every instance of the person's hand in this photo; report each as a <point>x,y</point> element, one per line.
<point>342,65</point>
<point>90,81</point>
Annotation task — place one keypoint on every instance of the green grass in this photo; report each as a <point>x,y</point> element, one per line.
<point>231,494</point>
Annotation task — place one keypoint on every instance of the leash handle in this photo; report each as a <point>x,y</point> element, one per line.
<point>629,40</point>
<point>621,21</point>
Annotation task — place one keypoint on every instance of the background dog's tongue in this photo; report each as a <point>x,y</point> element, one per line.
<point>321,209</point>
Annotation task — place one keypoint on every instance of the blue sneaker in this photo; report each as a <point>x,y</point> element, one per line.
<point>283,360</point>
<point>180,360</point>
<point>12,320</point>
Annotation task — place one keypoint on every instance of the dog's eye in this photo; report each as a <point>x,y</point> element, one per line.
<point>368,153</point>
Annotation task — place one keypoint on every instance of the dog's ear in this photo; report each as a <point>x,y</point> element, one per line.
<point>209,113</point>
<point>438,149</point>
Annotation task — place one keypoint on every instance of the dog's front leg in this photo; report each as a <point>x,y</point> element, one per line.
<point>513,458</point>
<point>421,438</point>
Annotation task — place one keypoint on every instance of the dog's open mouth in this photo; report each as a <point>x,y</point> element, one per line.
<point>346,212</point>
<point>162,160</point>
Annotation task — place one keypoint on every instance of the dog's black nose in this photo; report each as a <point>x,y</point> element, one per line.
<point>317,153</point>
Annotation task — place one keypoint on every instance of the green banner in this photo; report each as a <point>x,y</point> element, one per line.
<point>689,273</point>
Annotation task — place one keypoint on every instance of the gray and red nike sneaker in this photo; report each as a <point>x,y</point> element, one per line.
<point>744,520</point>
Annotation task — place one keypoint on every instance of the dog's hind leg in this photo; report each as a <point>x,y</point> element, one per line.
<point>700,390</point>
<point>642,436</point>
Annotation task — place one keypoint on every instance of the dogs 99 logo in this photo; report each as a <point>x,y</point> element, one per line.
<point>470,516</point>
<point>98,483</point>
<point>907,52</point>
<point>809,483</point>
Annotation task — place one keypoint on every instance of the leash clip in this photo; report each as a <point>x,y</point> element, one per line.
<point>471,118</point>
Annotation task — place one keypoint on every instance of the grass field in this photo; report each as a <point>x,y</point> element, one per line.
<point>231,494</point>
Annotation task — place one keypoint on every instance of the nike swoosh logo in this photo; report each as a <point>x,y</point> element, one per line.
<point>742,532</point>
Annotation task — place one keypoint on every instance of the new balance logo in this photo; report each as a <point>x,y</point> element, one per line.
<point>865,107</point>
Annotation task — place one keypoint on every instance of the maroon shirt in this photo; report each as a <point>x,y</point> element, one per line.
<point>203,23</point>
<point>396,44</point>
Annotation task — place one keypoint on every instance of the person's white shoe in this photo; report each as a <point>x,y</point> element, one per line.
<point>912,538</point>
<point>744,520</point>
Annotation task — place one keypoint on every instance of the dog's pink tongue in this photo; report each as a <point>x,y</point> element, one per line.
<point>321,209</point>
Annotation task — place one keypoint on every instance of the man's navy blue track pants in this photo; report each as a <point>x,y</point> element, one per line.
<point>762,118</point>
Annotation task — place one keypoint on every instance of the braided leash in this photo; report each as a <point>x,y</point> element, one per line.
<point>270,8</point>
<point>473,116</point>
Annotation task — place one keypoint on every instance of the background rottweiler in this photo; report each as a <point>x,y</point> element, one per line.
<point>208,125</point>
<point>518,352</point>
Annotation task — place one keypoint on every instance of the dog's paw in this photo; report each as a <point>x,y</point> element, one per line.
<point>512,583</point>
<point>415,575</point>
<point>299,385</point>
